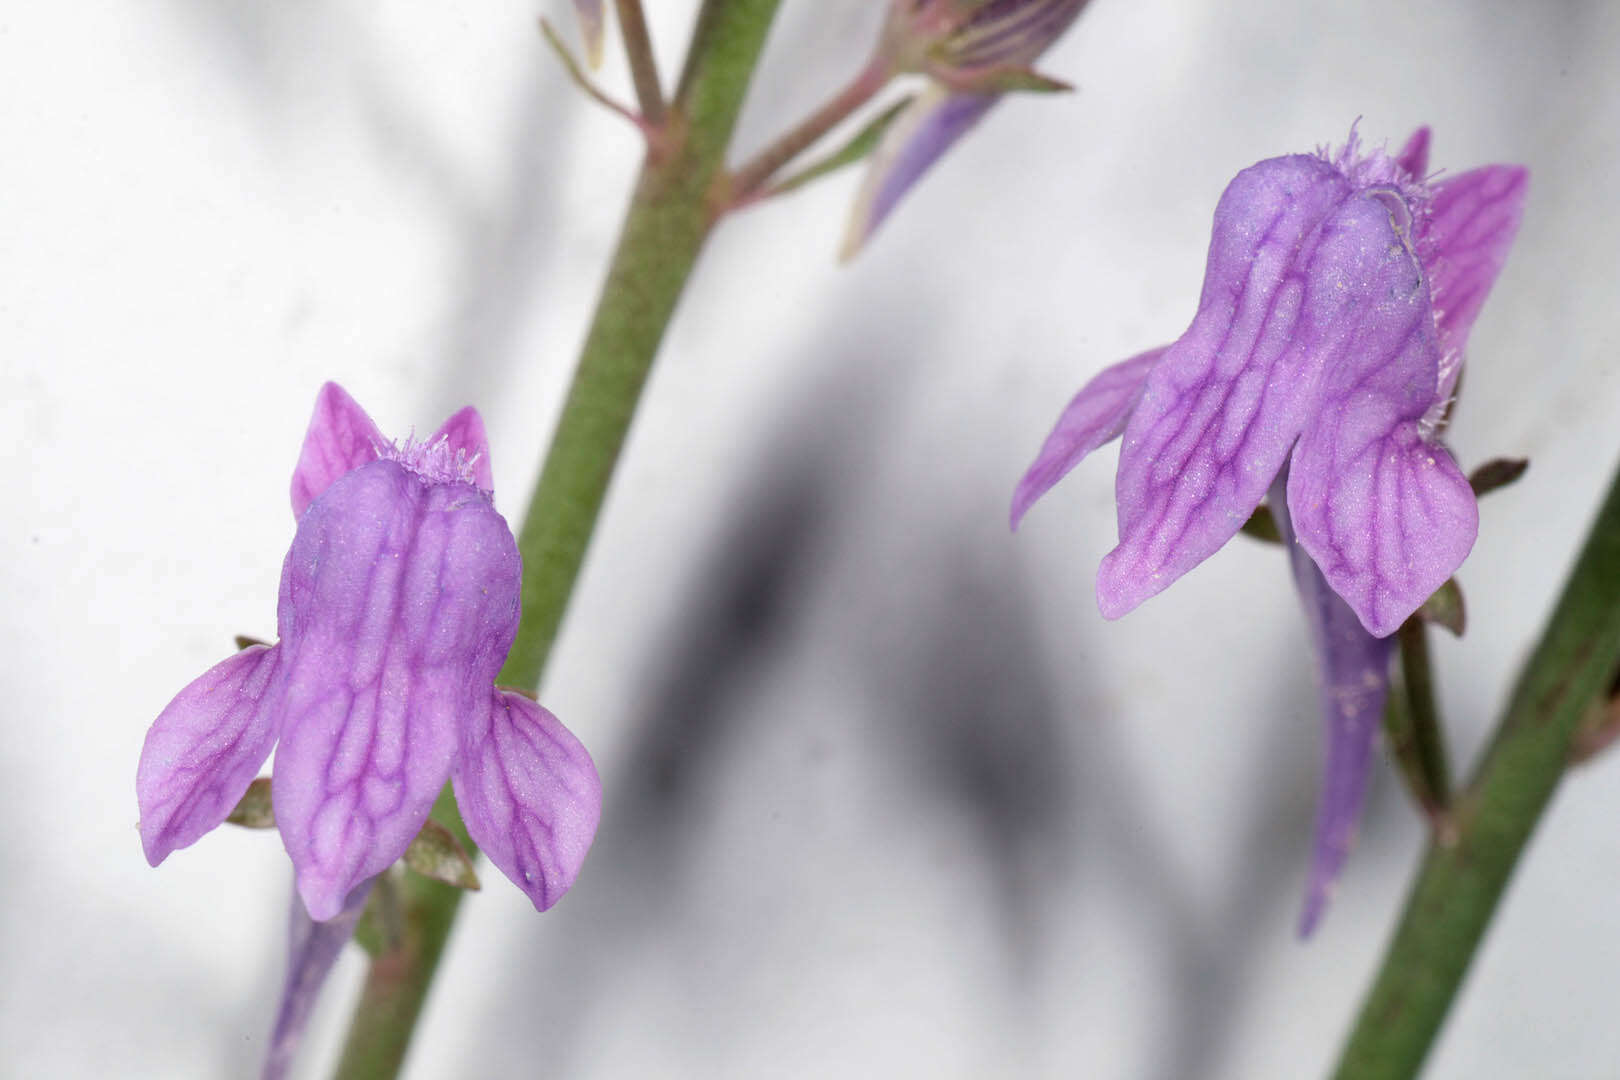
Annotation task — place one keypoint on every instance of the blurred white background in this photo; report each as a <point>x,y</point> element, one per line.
<point>885,795</point>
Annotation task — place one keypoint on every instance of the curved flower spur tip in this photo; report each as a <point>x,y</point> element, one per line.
<point>312,948</point>
<point>923,131</point>
<point>463,435</point>
<point>1387,515</point>
<point>398,604</point>
<point>205,749</point>
<point>340,437</point>
<point>1352,681</point>
<point>1414,156</point>
<point>529,794</point>
<point>1095,416</point>
<point>1224,405</point>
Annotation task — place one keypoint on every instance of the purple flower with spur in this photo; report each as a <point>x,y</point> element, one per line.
<point>399,601</point>
<point>973,52</point>
<point>1337,300</point>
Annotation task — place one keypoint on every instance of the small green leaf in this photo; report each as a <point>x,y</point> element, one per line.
<point>1262,526</point>
<point>245,642</point>
<point>858,147</point>
<point>1446,608</point>
<point>1497,473</point>
<point>436,854</point>
<point>253,811</point>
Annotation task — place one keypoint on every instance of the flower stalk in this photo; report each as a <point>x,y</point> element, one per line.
<point>643,65</point>
<point>671,214</point>
<point>1460,883</point>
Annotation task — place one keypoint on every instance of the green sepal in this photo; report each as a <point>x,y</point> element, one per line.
<point>1496,473</point>
<point>382,925</point>
<point>1002,79</point>
<point>1262,526</point>
<point>1446,608</point>
<point>245,642</point>
<point>253,810</point>
<point>437,854</point>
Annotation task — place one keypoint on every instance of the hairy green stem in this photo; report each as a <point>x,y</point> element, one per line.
<point>1460,883</point>
<point>670,216</point>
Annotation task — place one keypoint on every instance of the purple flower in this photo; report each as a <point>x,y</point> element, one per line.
<point>973,51</point>
<point>399,601</point>
<point>1337,301</point>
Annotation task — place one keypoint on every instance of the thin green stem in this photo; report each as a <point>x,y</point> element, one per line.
<point>643,65</point>
<point>670,216</point>
<point>1412,723</point>
<point>751,177</point>
<point>1459,884</point>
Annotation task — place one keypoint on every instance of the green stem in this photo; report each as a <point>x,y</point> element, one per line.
<point>670,216</point>
<point>643,65</point>
<point>1460,884</point>
<point>752,176</point>
<point>1412,725</point>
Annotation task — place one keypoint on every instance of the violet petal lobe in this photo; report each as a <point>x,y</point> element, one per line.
<point>1414,156</point>
<point>1223,407</point>
<point>205,749</point>
<point>1464,243</point>
<point>1096,415</point>
<point>464,432</point>
<point>340,437</point>
<point>1386,514</point>
<point>934,120</point>
<point>398,604</point>
<point>529,794</point>
<point>1352,681</point>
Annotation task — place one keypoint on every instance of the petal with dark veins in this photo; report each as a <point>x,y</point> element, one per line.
<point>205,749</point>
<point>398,604</point>
<point>1221,410</point>
<point>529,794</point>
<point>341,437</point>
<point>1095,416</point>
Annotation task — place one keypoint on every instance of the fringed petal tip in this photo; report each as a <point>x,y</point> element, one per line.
<point>204,750</point>
<point>341,437</point>
<point>530,796</point>
<point>916,139</point>
<point>464,434</point>
<point>1095,416</point>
